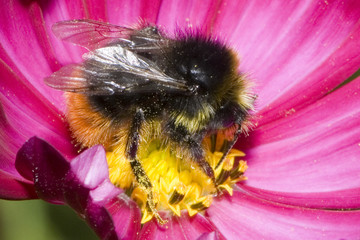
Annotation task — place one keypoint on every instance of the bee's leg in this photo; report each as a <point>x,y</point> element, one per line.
<point>192,142</point>
<point>228,147</point>
<point>199,158</point>
<point>139,172</point>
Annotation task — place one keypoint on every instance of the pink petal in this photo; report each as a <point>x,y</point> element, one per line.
<point>209,236</point>
<point>126,217</point>
<point>24,113</point>
<point>342,199</point>
<point>56,11</point>
<point>295,51</point>
<point>94,9</point>
<point>189,14</point>
<point>315,150</point>
<point>130,12</point>
<point>119,218</point>
<point>90,167</point>
<point>246,217</point>
<point>24,38</point>
<point>177,228</point>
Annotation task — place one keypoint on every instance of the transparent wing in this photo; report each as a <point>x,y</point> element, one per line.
<point>115,69</point>
<point>75,78</point>
<point>93,34</point>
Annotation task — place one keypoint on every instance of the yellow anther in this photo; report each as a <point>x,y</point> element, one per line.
<point>177,183</point>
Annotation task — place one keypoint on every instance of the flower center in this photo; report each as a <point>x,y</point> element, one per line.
<point>177,183</point>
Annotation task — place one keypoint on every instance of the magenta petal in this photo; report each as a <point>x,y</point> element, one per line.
<point>246,217</point>
<point>340,65</point>
<point>24,38</point>
<point>295,51</point>
<point>61,10</point>
<point>130,12</point>
<point>177,228</point>
<point>83,184</point>
<point>126,216</point>
<point>345,199</point>
<point>194,14</point>
<point>314,151</point>
<point>209,236</point>
<point>23,113</point>
<point>117,219</point>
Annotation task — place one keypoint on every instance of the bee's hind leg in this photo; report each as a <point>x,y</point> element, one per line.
<point>198,156</point>
<point>139,172</point>
<point>191,142</point>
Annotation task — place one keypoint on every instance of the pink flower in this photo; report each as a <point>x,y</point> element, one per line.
<point>303,177</point>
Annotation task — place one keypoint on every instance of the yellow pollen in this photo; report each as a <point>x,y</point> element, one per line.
<point>178,183</point>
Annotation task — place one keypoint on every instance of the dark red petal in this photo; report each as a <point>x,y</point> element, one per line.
<point>41,163</point>
<point>82,184</point>
<point>13,189</point>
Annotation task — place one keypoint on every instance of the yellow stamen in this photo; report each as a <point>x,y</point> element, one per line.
<point>177,184</point>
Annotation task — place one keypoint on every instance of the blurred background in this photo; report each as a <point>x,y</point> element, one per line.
<point>38,220</point>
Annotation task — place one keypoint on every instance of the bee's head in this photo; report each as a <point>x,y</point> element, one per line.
<point>217,91</point>
<point>210,69</point>
<point>203,63</point>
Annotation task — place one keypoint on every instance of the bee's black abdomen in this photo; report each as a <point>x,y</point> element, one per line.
<point>119,106</point>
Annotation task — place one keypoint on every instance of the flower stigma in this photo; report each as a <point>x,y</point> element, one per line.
<point>178,184</point>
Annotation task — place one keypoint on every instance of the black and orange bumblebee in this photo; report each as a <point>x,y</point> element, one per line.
<point>137,84</point>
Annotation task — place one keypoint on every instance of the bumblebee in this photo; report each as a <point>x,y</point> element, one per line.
<point>136,85</point>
